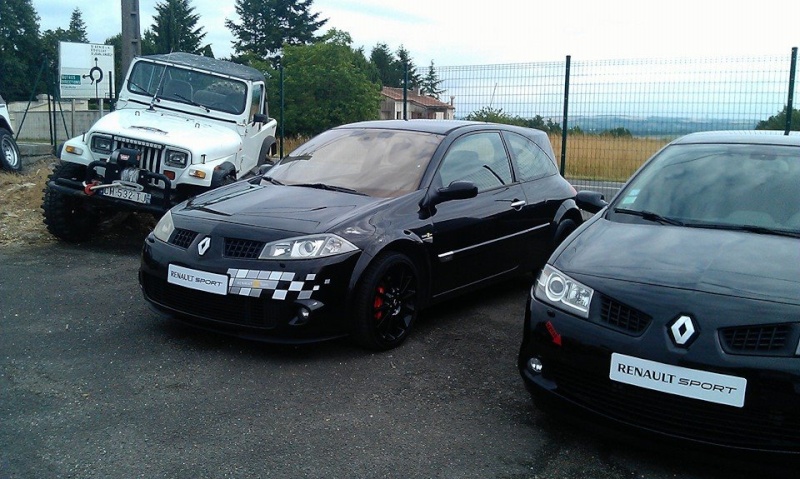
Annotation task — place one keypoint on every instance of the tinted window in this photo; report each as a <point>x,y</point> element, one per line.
<point>532,161</point>
<point>747,185</point>
<point>383,163</point>
<point>479,158</point>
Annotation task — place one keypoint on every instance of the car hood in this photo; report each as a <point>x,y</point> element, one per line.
<point>293,209</point>
<point>755,266</point>
<point>189,132</point>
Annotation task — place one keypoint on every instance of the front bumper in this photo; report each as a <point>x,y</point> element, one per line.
<point>574,370</point>
<point>282,302</point>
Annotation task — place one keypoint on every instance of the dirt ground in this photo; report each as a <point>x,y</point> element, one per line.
<point>21,221</point>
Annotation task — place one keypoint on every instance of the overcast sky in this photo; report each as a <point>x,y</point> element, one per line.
<point>464,32</point>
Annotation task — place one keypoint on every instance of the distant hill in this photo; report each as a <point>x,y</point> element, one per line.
<point>657,125</point>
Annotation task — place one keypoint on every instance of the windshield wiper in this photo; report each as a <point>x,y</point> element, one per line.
<point>191,102</point>
<point>272,180</point>
<point>650,216</point>
<point>749,228</point>
<point>323,186</point>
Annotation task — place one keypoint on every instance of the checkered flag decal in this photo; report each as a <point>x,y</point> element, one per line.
<point>281,284</point>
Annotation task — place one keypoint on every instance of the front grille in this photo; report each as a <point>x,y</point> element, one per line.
<point>243,249</point>
<point>150,158</point>
<point>770,339</point>
<point>623,318</point>
<point>770,426</point>
<point>231,309</point>
<point>182,238</point>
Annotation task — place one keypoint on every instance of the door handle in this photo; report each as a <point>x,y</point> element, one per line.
<point>518,204</point>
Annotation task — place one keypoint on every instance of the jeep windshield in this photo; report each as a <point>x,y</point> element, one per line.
<point>182,85</point>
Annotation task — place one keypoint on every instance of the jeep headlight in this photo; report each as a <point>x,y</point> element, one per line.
<point>177,159</point>
<point>164,227</point>
<point>102,144</point>
<point>316,246</point>
<point>559,290</point>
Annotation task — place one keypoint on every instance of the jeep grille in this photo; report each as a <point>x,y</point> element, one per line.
<point>151,153</point>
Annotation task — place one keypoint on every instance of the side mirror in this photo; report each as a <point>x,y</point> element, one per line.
<point>260,118</point>
<point>590,201</point>
<point>457,190</point>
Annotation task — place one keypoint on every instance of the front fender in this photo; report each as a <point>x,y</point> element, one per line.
<point>202,174</point>
<point>75,151</point>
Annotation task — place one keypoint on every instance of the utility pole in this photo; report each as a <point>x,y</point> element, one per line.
<point>131,41</point>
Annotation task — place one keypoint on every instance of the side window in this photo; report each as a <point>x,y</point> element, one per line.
<point>255,102</point>
<point>532,161</point>
<point>479,158</point>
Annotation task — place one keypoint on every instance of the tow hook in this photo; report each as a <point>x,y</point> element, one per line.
<point>89,188</point>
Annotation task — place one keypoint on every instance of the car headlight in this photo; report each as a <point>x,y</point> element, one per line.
<point>164,227</point>
<point>177,159</point>
<point>557,289</point>
<point>316,246</point>
<point>102,144</point>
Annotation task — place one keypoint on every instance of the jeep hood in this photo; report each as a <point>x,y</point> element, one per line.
<point>189,132</point>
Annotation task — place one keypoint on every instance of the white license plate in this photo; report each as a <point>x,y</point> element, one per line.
<point>199,280</point>
<point>690,383</point>
<point>128,194</point>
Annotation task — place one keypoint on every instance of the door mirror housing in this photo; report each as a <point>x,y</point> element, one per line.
<point>590,201</point>
<point>457,190</point>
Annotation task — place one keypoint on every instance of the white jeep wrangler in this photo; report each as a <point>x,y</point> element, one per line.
<point>183,124</point>
<point>9,152</point>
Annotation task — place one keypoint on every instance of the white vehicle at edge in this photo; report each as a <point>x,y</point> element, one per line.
<point>9,152</point>
<point>183,124</point>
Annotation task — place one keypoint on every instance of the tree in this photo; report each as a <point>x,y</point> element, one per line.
<point>175,28</point>
<point>326,84</point>
<point>383,60</point>
<point>430,83</point>
<point>265,27</point>
<point>20,59</point>
<point>77,28</point>
<point>404,61</point>
<point>778,122</point>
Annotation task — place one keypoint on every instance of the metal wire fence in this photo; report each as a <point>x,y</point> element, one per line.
<point>618,113</point>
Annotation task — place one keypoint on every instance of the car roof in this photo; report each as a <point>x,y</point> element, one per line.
<point>763,137</point>
<point>209,64</point>
<point>440,127</point>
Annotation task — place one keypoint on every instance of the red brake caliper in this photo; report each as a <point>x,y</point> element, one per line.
<point>380,290</point>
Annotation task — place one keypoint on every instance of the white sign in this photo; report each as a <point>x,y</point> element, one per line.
<point>85,70</point>
<point>690,383</point>
<point>199,280</point>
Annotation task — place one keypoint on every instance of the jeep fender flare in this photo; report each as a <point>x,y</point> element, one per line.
<point>221,172</point>
<point>268,148</point>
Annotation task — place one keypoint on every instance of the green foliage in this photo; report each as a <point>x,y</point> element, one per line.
<point>430,83</point>
<point>175,28</point>
<point>619,132</point>
<point>77,28</point>
<point>496,115</point>
<point>266,26</point>
<point>20,53</point>
<point>326,84</point>
<point>778,122</point>
<point>391,67</point>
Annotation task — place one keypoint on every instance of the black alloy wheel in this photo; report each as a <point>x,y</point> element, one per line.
<point>386,302</point>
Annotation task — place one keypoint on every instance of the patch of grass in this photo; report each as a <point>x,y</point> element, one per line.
<point>603,157</point>
<point>21,205</point>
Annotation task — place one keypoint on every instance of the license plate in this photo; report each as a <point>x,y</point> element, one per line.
<point>128,194</point>
<point>199,280</point>
<point>690,383</point>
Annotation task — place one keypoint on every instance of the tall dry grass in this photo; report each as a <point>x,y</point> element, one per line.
<point>603,157</point>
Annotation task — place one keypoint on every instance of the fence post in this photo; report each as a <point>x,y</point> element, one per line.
<point>280,88</point>
<point>564,128</point>
<point>789,110</point>
<point>405,91</point>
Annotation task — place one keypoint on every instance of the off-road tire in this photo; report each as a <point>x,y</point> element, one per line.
<point>68,217</point>
<point>10,159</point>
<point>386,302</point>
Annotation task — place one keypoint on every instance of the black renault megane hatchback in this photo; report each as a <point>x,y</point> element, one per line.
<point>676,309</point>
<point>360,228</point>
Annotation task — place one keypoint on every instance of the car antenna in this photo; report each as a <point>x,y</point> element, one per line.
<point>158,88</point>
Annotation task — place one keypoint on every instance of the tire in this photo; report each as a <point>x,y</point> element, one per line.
<point>68,217</point>
<point>386,302</point>
<point>564,229</point>
<point>9,152</point>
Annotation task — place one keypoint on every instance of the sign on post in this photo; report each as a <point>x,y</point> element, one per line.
<point>84,70</point>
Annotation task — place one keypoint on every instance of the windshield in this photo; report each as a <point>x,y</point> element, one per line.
<point>188,86</point>
<point>375,162</point>
<point>716,185</point>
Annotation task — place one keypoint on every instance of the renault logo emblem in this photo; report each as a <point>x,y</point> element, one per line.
<point>203,246</point>
<point>682,330</point>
